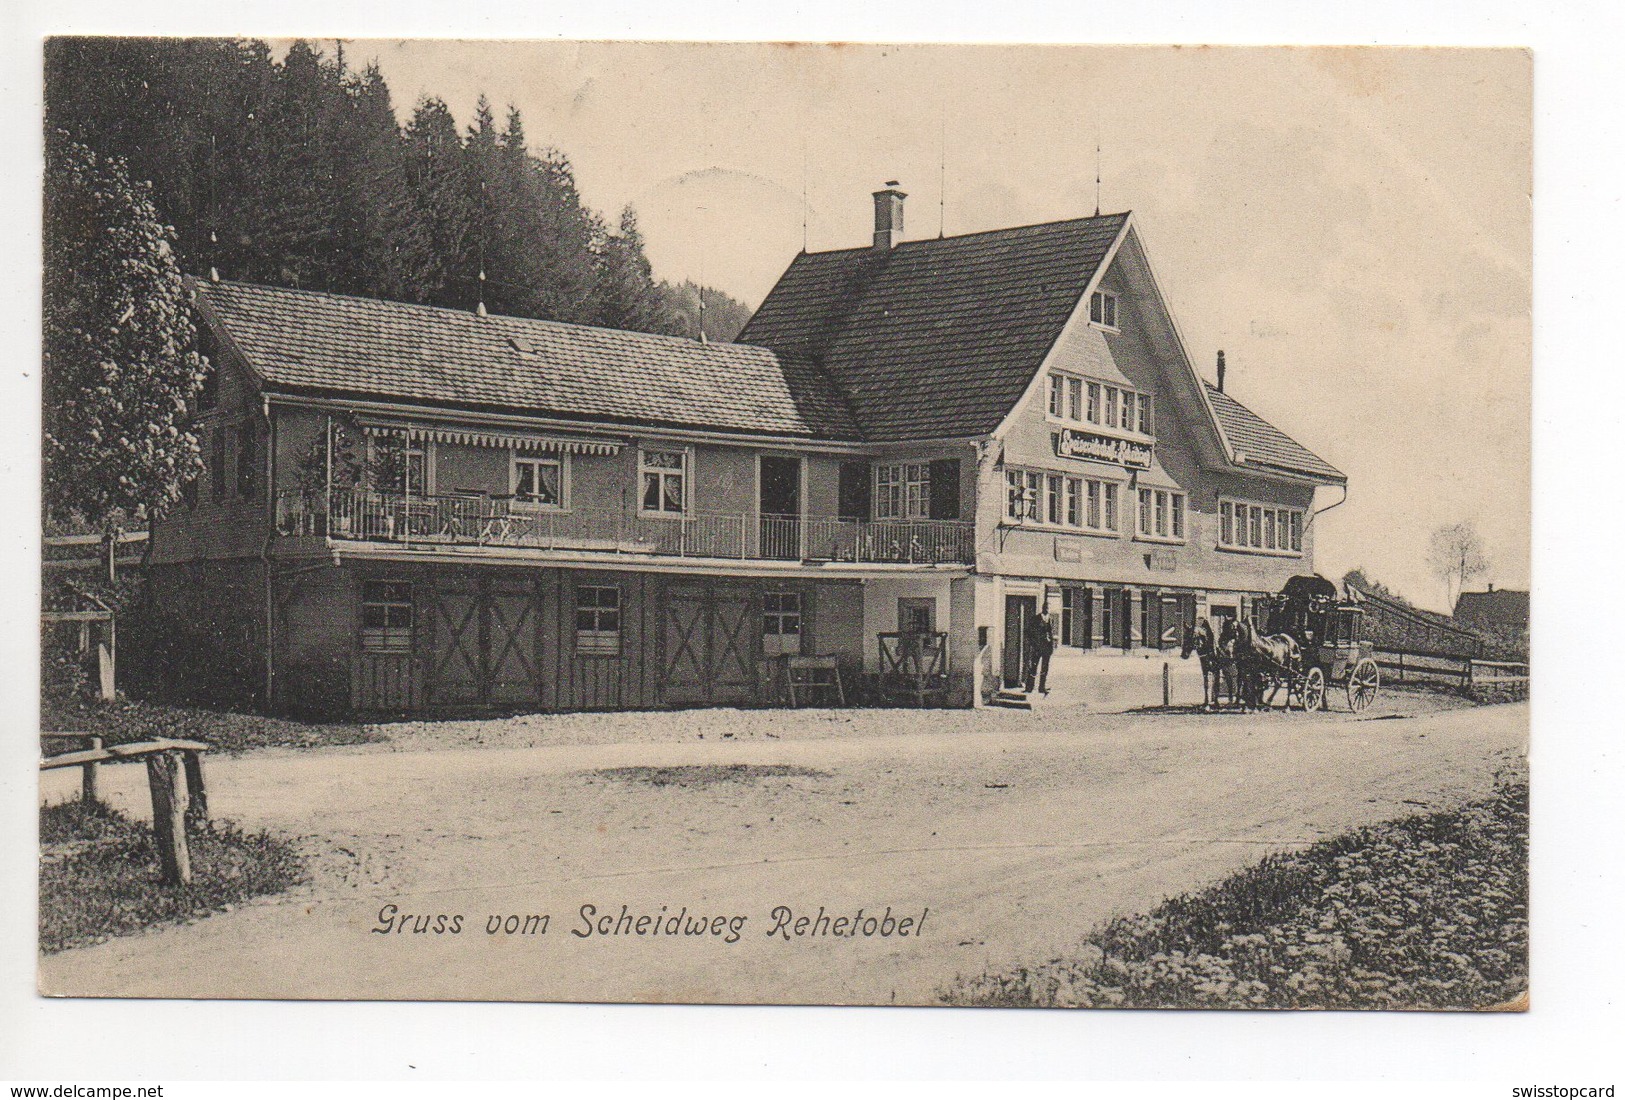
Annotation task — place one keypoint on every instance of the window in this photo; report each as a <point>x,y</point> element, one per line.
<point>1074,399</point>
<point>1075,617</point>
<point>1084,402</point>
<point>917,615</point>
<point>1094,403</point>
<point>1024,493</point>
<point>1103,309</point>
<point>1060,500</point>
<point>664,476</point>
<point>903,490</point>
<point>386,617</point>
<point>539,482</point>
<point>247,462</point>
<point>1147,426</point>
<point>1113,399</point>
<point>1260,527</point>
<point>598,619</point>
<point>1127,423</point>
<point>1057,395</point>
<point>781,623</point>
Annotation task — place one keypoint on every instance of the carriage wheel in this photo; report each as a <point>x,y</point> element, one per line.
<point>1363,683</point>
<point>1314,689</point>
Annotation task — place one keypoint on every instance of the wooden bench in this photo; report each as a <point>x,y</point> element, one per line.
<point>175,804</point>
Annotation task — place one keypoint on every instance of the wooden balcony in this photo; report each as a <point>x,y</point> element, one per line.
<point>469,520</point>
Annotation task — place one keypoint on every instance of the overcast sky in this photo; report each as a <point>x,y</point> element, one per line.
<point>1352,227</point>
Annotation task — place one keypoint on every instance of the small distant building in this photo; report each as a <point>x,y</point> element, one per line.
<point>1503,612</point>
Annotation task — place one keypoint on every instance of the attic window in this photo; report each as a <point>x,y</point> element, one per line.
<point>521,345</point>
<point>1103,309</point>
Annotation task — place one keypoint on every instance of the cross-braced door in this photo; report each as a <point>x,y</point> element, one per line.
<point>483,642</point>
<point>712,638</point>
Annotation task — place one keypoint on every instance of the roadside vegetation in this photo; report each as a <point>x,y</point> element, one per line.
<point>1425,912</point>
<point>99,874</point>
<point>125,721</point>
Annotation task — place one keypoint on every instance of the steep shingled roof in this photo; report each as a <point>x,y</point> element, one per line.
<point>306,342</point>
<point>1498,606</point>
<point>1262,443</point>
<point>935,338</point>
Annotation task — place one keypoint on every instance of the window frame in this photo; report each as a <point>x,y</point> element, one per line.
<point>1103,310</point>
<point>776,617</point>
<point>912,482</point>
<point>1099,405</point>
<point>685,473</point>
<point>1244,528</point>
<point>386,638</point>
<point>596,641</point>
<point>561,459</point>
<point>1060,500</point>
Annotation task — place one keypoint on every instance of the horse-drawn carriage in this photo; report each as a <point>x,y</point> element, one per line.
<point>1310,641</point>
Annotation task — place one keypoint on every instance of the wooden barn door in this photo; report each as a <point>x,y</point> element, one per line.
<point>455,670</point>
<point>483,642</point>
<point>711,635</point>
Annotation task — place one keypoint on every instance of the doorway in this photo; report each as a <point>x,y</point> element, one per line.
<point>1018,612</point>
<point>780,507</point>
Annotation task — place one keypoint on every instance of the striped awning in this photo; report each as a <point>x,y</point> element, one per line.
<point>475,437</point>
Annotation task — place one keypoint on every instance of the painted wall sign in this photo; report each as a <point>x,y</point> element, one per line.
<point>1164,561</point>
<point>1071,443</point>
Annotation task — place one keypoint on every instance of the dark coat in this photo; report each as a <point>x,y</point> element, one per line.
<point>1040,636</point>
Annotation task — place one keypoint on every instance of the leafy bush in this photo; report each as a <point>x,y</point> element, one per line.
<point>127,721</point>
<point>99,874</point>
<point>1427,912</point>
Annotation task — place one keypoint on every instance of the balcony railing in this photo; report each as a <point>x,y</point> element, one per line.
<point>468,520</point>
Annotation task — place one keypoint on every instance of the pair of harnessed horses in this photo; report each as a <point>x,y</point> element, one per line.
<point>1239,662</point>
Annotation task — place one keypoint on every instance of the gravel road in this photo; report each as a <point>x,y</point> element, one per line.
<point>1003,838</point>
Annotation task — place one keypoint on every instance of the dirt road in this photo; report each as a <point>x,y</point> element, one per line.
<point>1009,841</point>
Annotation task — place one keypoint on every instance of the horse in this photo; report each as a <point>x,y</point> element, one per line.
<point>1218,664</point>
<point>1265,656</point>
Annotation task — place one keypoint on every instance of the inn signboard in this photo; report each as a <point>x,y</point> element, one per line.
<point>1071,443</point>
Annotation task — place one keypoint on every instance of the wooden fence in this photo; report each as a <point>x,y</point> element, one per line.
<point>1413,666</point>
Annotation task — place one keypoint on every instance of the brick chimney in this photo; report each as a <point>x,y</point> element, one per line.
<point>888,217</point>
<point>1221,372</point>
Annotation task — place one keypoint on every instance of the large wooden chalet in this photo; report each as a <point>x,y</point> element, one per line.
<point>409,508</point>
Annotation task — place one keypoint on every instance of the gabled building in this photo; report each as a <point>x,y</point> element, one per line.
<point>411,508</point>
<point>1502,612</point>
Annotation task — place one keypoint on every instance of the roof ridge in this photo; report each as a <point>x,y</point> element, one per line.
<point>919,241</point>
<point>456,311</point>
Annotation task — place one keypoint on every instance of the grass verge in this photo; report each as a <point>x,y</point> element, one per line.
<point>1425,912</point>
<point>99,874</point>
<point>126,721</point>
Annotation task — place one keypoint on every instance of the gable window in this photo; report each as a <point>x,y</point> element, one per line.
<point>386,617</point>
<point>664,476</point>
<point>1093,415</point>
<point>1161,515</point>
<point>1057,395</point>
<point>781,623</point>
<point>598,619</point>
<point>1103,309</point>
<point>1146,426</point>
<point>540,483</point>
<point>903,490</point>
<point>1262,527</point>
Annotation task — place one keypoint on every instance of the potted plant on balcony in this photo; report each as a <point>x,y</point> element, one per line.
<point>320,481</point>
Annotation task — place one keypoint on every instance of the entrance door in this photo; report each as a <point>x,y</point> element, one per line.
<point>1018,612</point>
<point>780,507</point>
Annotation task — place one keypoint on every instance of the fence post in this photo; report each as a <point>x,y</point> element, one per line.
<point>169,818</point>
<point>1167,685</point>
<point>87,780</point>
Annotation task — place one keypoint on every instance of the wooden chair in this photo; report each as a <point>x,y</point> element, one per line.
<point>812,681</point>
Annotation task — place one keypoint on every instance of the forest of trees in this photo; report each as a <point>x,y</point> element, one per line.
<point>297,173</point>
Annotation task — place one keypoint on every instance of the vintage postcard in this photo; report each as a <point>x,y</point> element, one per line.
<point>786,524</point>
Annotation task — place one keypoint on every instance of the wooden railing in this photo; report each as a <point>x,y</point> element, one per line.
<point>459,519</point>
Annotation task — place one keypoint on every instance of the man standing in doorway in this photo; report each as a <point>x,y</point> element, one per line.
<point>1039,640</point>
